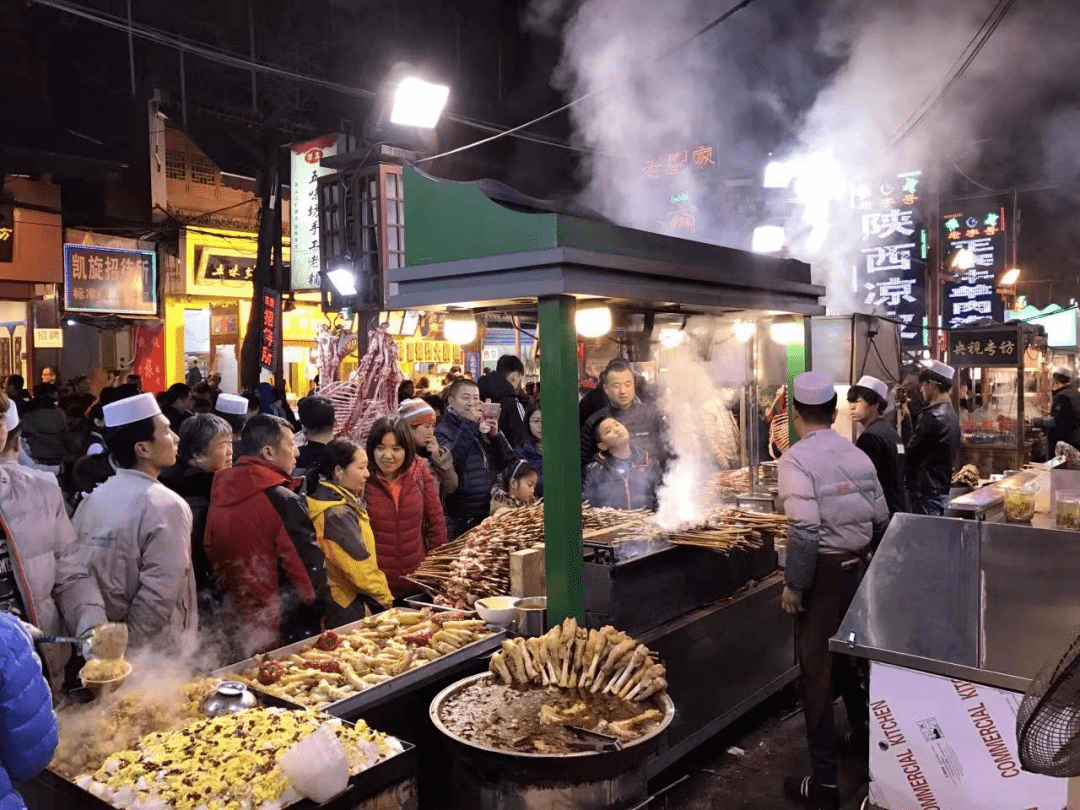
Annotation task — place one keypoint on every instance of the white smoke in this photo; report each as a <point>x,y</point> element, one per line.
<point>828,90</point>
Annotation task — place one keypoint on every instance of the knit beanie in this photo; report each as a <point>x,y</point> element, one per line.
<point>416,412</point>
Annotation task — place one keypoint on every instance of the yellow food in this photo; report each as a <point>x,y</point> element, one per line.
<point>104,669</point>
<point>225,763</point>
<point>1019,507</point>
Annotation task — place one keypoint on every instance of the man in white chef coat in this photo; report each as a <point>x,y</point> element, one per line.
<point>136,533</point>
<point>835,506</point>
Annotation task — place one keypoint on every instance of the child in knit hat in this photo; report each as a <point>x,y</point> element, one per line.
<point>420,417</point>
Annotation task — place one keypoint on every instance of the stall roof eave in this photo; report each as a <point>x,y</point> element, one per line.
<point>515,280</point>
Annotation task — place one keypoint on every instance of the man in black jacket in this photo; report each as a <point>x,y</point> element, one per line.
<point>501,385</point>
<point>480,453</point>
<point>642,419</point>
<point>1063,424</point>
<point>868,399</point>
<point>932,448</point>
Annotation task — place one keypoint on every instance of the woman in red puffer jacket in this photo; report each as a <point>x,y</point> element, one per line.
<point>402,502</point>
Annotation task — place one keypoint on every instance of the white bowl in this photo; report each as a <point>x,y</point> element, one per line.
<point>497,610</point>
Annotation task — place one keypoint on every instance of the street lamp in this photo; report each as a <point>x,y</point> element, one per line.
<point>418,103</point>
<point>344,280</point>
<point>1010,278</point>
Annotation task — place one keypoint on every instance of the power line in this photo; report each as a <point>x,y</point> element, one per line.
<point>982,36</point>
<point>730,12</point>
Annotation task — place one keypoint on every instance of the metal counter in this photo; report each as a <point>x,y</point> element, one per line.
<point>985,602</point>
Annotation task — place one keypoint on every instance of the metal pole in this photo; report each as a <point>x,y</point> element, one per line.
<point>750,410</point>
<point>131,49</point>
<point>562,461</point>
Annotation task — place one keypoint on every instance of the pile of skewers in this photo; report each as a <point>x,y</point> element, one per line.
<point>596,518</point>
<point>731,482</point>
<point>732,530</point>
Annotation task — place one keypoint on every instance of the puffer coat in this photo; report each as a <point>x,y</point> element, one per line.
<point>406,530</point>
<point>28,731</point>
<point>478,460</point>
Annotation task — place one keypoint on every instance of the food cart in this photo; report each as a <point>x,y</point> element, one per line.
<point>473,251</point>
<point>956,617</point>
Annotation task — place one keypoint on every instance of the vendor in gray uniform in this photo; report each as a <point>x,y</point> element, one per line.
<point>868,400</point>
<point>1063,424</point>
<point>933,446</point>
<point>835,508</point>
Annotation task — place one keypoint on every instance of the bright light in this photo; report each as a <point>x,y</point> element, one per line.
<point>671,336</point>
<point>1010,278</point>
<point>778,175</point>
<point>418,103</point>
<point>460,328</point>
<point>768,239</point>
<point>786,331</point>
<point>344,280</point>
<point>593,321</point>
<point>963,259</point>
<point>71,322</point>
<point>743,330</point>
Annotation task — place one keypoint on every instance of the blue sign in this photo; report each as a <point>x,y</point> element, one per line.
<point>973,250</point>
<point>472,365</point>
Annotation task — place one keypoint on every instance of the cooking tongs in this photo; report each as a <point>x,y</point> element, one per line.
<point>595,739</point>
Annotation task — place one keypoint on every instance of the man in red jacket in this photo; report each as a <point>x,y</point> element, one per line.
<point>261,544</point>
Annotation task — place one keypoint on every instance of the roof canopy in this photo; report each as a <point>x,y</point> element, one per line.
<point>465,249</point>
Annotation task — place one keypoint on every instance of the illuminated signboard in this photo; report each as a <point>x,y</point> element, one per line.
<point>110,281</point>
<point>270,330</point>
<point>890,269</point>
<point>304,209</point>
<point>676,184</point>
<point>970,295</point>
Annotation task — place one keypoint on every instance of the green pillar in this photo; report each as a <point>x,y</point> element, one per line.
<point>562,461</point>
<point>796,365</point>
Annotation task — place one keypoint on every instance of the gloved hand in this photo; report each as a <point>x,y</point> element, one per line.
<point>34,632</point>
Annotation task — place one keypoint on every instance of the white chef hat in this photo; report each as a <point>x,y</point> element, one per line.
<point>232,404</point>
<point>1060,371</point>
<point>11,417</point>
<point>873,384</point>
<point>130,409</point>
<point>813,388</point>
<point>939,370</point>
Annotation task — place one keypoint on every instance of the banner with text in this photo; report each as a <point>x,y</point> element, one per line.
<point>942,744</point>
<point>304,209</point>
<point>890,268</point>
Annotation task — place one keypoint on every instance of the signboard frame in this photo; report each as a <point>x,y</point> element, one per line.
<point>150,310</point>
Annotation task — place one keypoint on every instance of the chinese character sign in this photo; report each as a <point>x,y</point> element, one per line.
<point>270,330</point>
<point>984,347</point>
<point>304,209</point>
<point>970,295</point>
<point>221,267</point>
<point>149,361</point>
<point>108,280</point>
<point>890,268</point>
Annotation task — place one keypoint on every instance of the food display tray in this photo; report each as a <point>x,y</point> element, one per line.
<point>354,705</point>
<point>53,790</point>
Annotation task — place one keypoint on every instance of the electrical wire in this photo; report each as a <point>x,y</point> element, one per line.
<point>705,29</point>
<point>973,180</point>
<point>982,36</point>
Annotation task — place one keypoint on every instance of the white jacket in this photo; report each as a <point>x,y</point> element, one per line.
<point>58,593</point>
<point>832,498</point>
<point>136,537</point>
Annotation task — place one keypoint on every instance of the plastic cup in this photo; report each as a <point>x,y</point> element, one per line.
<point>317,766</point>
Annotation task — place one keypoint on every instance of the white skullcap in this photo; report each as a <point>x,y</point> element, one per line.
<point>943,371</point>
<point>813,388</point>
<point>232,405</point>
<point>130,409</point>
<point>11,418</point>
<point>875,385</point>
<point>1063,371</point>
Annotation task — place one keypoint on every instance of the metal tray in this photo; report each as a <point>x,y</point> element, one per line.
<point>353,705</point>
<point>50,789</point>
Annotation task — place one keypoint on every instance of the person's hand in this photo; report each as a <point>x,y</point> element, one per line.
<point>486,428</point>
<point>791,601</point>
<point>432,445</point>
<point>34,631</point>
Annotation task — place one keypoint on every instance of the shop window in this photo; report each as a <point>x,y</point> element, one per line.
<point>203,171</point>
<point>174,165</point>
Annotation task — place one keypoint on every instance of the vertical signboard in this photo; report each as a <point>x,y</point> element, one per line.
<point>270,330</point>
<point>304,209</point>
<point>890,269</point>
<point>978,229</point>
<point>149,353</point>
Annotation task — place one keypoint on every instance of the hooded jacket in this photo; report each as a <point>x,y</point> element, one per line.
<point>263,551</point>
<point>605,485</point>
<point>534,455</point>
<point>357,587</point>
<point>497,388</point>
<point>28,735</point>
<point>478,460</point>
<point>46,434</point>
<point>60,596</point>
<point>135,535</point>
<point>642,419</point>
<point>932,451</point>
<point>405,531</point>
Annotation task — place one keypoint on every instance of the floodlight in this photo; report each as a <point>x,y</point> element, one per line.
<point>460,328</point>
<point>778,175</point>
<point>768,239</point>
<point>1010,278</point>
<point>593,321</point>
<point>418,103</point>
<point>343,279</point>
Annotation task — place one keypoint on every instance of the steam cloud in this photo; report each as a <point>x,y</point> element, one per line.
<point>825,86</point>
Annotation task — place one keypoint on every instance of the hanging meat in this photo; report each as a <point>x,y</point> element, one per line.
<point>371,390</point>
